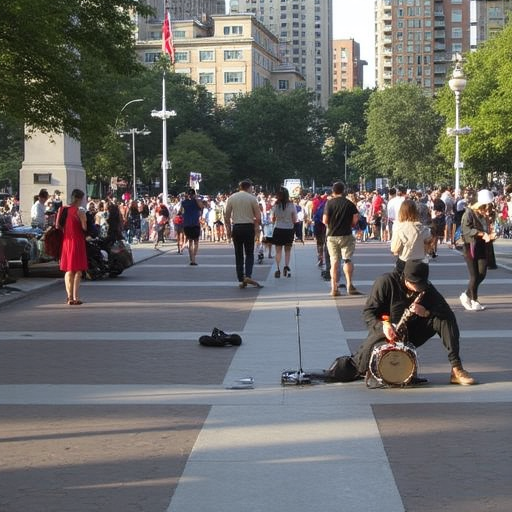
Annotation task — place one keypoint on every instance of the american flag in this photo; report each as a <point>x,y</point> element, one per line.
<point>167,42</point>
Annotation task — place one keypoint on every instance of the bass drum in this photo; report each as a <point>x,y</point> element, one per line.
<point>394,364</point>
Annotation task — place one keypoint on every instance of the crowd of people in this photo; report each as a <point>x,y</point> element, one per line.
<point>414,223</point>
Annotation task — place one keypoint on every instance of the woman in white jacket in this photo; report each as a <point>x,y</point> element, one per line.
<point>410,239</point>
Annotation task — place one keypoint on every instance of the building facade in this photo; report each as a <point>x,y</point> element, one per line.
<point>148,29</point>
<point>415,40</point>
<point>489,19</point>
<point>304,29</point>
<point>347,66</point>
<point>228,55</point>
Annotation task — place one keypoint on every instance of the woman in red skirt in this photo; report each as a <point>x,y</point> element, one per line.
<point>73,260</point>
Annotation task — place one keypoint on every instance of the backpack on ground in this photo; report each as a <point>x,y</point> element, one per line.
<point>343,369</point>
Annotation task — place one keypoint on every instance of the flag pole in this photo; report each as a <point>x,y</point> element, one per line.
<point>165,190</point>
<point>164,114</point>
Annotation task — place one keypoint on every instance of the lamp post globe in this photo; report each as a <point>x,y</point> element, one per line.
<point>457,84</point>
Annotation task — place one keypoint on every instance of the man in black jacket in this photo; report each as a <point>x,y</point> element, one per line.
<point>390,296</point>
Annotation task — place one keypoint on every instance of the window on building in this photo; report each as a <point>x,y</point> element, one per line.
<point>233,77</point>
<point>283,85</point>
<point>235,30</point>
<point>181,57</point>
<point>178,34</point>
<point>233,54</point>
<point>456,15</point>
<point>152,56</point>
<point>456,32</point>
<point>456,48</point>
<point>229,97</point>
<point>206,55</point>
<point>206,78</point>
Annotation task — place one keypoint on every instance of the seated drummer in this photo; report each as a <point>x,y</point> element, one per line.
<point>391,294</point>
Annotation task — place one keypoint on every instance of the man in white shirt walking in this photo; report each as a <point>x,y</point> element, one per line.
<point>242,217</point>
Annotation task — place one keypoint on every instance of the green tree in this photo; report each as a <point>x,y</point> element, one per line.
<point>106,154</point>
<point>196,152</point>
<point>11,152</point>
<point>402,133</point>
<point>485,106</point>
<point>272,136</point>
<point>346,124</point>
<point>47,52</point>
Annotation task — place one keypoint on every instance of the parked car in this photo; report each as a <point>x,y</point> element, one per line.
<point>22,244</point>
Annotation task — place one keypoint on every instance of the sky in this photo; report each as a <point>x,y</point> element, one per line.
<point>354,19</point>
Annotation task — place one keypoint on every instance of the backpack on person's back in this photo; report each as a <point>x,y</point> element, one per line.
<point>319,212</point>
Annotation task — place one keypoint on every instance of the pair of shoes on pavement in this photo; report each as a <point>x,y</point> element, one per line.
<point>220,338</point>
<point>462,377</point>
<point>470,304</point>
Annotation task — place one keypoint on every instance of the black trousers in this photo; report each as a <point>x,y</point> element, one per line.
<point>477,270</point>
<point>420,330</point>
<point>243,241</point>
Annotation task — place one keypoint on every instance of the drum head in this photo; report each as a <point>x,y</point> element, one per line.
<point>396,367</point>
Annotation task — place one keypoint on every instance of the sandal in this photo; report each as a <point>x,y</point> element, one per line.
<point>286,272</point>
<point>75,302</point>
<point>277,274</point>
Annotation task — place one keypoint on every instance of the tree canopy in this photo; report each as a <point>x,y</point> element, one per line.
<point>51,54</point>
<point>271,136</point>
<point>485,106</point>
<point>402,133</point>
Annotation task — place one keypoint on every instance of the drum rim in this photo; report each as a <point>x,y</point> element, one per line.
<point>407,349</point>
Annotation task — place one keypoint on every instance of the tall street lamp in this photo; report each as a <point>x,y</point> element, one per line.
<point>138,100</point>
<point>133,132</point>
<point>457,84</point>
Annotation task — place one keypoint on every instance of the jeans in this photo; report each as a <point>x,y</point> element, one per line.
<point>243,241</point>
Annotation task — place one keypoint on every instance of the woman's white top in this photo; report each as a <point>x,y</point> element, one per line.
<point>284,219</point>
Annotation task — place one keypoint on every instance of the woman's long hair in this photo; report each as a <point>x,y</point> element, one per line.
<point>408,211</point>
<point>283,198</point>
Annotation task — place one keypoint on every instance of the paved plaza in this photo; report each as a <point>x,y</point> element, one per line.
<point>113,406</point>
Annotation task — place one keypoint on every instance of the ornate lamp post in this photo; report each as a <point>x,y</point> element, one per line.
<point>457,84</point>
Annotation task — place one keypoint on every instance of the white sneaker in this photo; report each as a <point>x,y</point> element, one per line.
<point>476,306</point>
<point>466,301</point>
